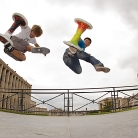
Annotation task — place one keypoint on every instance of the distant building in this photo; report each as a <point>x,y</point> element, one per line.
<point>133,100</point>
<point>55,111</point>
<point>40,110</point>
<point>120,102</point>
<point>32,106</point>
<point>110,99</point>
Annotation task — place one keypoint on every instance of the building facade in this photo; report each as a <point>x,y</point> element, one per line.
<point>133,100</point>
<point>11,96</point>
<point>40,110</point>
<point>120,102</point>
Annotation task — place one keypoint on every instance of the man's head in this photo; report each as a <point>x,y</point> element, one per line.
<point>36,31</point>
<point>87,41</point>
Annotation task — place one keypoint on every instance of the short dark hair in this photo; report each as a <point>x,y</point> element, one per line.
<point>88,39</point>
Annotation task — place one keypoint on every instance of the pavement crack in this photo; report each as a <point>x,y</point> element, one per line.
<point>40,134</point>
<point>68,128</point>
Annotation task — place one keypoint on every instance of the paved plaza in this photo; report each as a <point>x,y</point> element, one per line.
<point>115,125</point>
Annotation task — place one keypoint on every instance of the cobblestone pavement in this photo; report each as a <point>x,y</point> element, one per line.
<point>115,125</point>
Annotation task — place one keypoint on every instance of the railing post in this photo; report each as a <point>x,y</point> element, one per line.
<point>64,102</point>
<point>68,103</point>
<point>72,102</point>
<point>22,101</point>
<point>114,101</point>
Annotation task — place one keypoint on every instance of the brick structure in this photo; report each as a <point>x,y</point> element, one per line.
<point>121,102</point>
<point>40,110</point>
<point>11,88</point>
<point>10,80</point>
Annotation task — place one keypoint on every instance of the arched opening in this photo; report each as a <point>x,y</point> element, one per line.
<point>10,103</point>
<point>7,103</point>
<point>3,101</point>
<point>14,104</point>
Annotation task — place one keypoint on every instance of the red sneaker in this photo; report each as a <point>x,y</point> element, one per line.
<point>3,40</point>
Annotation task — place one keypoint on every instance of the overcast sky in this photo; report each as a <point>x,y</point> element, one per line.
<point>114,41</point>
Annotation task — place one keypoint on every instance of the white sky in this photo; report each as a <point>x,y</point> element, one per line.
<point>114,36</point>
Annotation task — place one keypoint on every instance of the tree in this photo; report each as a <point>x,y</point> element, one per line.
<point>107,105</point>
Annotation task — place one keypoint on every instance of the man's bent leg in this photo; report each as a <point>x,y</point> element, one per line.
<point>18,55</point>
<point>95,62</point>
<point>15,54</point>
<point>72,62</point>
<point>19,20</point>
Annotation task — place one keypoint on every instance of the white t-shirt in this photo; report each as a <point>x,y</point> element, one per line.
<point>25,35</point>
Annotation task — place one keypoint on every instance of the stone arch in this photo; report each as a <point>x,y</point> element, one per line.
<point>3,101</point>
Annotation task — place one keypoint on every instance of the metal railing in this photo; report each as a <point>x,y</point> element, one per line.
<point>69,101</point>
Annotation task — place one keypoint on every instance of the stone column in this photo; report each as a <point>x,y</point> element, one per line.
<point>4,95</point>
<point>10,87</point>
<point>1,67</point>
<point>11,80</point>
<point>7,78</point>
<point>13,86</point>
<point>3,77</point>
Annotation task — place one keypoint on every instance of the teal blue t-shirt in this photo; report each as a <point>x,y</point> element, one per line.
<point>81,44</point>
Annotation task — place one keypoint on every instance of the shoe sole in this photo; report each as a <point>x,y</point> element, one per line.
<point>105,70</point>
<point>72,45</point>
<point>72,50</point>
<point>42,50</point>
<point>20,15</point>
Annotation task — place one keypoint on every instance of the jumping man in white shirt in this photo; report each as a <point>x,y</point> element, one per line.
<point>17,45</point>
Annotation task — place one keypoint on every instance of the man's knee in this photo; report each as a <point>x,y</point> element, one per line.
<point>23,58</point>
<point>78,70</point>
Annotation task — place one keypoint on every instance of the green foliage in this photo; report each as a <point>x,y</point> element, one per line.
<point>107,105</point>
<point>24,113</point>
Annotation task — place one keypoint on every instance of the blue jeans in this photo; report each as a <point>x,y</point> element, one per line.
<point>72,61</point>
